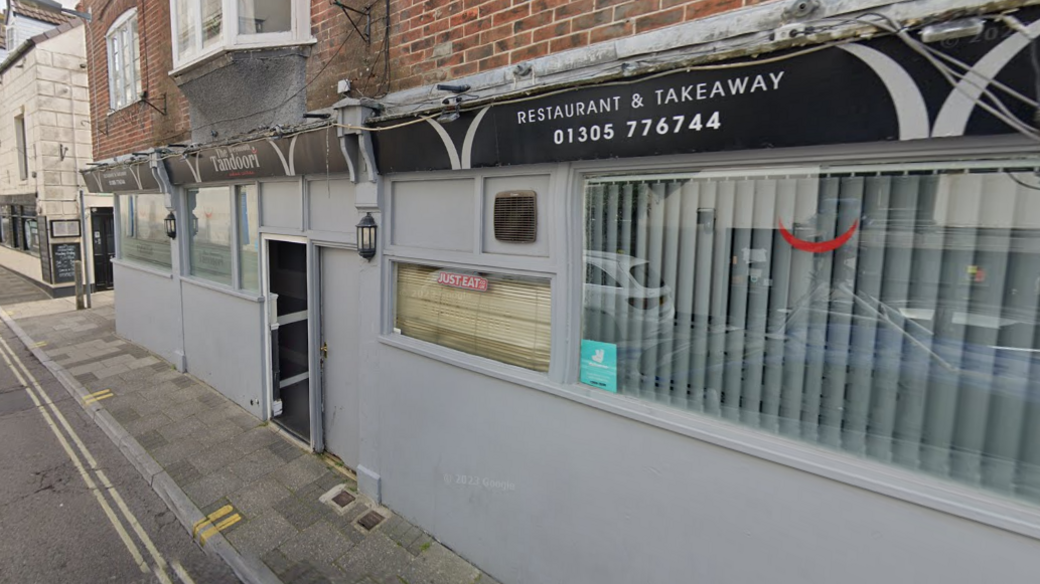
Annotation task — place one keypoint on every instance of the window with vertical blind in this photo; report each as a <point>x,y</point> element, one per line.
<point>497,316</point>
<point>886,311</point>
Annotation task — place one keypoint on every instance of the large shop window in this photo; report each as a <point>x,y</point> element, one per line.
<point>889,312</point>
<point>18,225</point>
<point>209,211</point>
<point>142,232</point>
<point>248,213</point>
<point>497,316</point>
<point>213,213</point>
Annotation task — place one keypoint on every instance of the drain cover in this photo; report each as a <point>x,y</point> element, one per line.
<point>370,520</point>
<point>343,499</point>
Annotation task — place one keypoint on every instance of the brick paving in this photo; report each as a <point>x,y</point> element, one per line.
<point>267,496</point>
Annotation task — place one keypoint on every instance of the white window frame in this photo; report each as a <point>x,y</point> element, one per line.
<point>230,39</point>
<point>119,77</point>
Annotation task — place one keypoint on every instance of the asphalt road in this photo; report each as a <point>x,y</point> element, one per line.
<point>54,528</point>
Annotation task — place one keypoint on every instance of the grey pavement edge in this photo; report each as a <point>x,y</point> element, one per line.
<point>249,570</point>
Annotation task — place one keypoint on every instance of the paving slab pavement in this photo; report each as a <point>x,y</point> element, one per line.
<point>247,492</point>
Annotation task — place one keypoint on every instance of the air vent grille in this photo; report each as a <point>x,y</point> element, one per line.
<point>516,216</point>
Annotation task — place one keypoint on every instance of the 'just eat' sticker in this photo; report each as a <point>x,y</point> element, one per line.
<point>464,281</point>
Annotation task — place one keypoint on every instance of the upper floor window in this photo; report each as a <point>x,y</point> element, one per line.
<point>22,146</point>
<point>124,61</point>
<point>204,27</point>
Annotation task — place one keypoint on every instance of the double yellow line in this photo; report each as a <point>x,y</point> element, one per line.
<point>98,396</point>
<point>214,527</point>
<point>82,459</point>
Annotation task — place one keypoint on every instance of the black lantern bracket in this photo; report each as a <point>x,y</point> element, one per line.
<point>171,225</point>
<point>366,236</point>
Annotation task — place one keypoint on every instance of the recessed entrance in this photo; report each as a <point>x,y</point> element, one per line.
<point>288,321</point>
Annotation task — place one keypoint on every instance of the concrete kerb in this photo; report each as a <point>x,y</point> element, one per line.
<point>248,569</point>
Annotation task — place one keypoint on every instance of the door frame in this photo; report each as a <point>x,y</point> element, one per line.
<point>313,381</point>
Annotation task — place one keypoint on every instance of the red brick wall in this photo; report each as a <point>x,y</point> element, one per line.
<point>435,40</point>
<point>138,126</point>
<point>341,53</point>
<point>429,41</point>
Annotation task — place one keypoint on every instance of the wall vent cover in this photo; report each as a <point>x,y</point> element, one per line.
<point>516,216</point>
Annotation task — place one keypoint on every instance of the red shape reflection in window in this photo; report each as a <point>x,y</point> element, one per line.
<point>817,246</point>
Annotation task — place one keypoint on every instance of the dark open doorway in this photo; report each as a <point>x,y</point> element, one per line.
<point>104,244</point>
<point>290,364</point>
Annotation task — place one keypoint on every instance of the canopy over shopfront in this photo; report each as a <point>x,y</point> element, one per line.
<point>311,151</point>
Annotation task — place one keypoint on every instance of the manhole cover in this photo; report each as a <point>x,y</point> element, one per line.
<point>370,520</point>
<point>343,499</point>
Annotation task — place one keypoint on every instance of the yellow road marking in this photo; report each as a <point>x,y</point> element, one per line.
<point>91,400</point>
<point>99,392</point>
<point>41,344</point>
<point>219,527</point>
<point>91,486</point>
<point>181,572</point>
<point>40,396</point>
<point>210,518</point>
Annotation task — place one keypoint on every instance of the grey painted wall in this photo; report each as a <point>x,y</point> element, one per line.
<point>222,329</point>
<point>148,310</point>
<point>598,498</point>
<point>281,205</point>
<point>331,205</point>
<point>434,214</point>
<point>536,488</point>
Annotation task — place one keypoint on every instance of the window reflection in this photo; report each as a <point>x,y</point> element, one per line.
<point>260,16</point>
<point>888,312</point>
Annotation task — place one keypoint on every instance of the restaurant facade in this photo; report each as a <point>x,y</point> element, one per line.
<point>753,297</point>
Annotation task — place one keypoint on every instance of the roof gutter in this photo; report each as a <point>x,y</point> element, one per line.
<point>16,55</point>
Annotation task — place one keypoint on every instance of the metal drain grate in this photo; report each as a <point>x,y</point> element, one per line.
<point>343,499</point>
<point>370,520</point>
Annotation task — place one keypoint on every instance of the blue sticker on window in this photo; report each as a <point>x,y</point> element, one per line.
<point>599,365</point>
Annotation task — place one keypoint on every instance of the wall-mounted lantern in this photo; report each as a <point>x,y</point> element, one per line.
<point>171,226</point>
<point>366,237</point>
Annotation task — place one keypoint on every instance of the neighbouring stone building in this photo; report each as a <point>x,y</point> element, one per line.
<point>45,136</point>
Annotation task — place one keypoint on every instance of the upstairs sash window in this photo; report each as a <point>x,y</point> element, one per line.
<point>124,62</point>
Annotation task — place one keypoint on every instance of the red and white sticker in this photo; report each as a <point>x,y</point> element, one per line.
<point>463,281</point>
